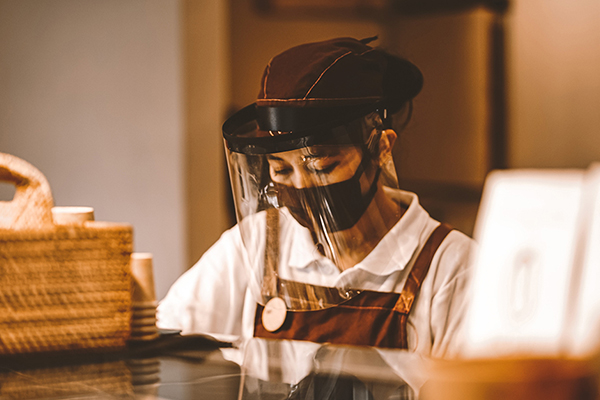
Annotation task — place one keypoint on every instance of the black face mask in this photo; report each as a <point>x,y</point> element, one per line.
<point>337,207</point>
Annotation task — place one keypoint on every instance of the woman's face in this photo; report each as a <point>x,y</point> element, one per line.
<point>314,166</point>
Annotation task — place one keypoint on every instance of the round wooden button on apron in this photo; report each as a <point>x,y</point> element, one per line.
<point>274,313</point>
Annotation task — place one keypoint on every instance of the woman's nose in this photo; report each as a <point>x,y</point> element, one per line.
<point>300,179</point>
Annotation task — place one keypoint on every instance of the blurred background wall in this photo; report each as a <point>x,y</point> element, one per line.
<point>91,93</point>
<point>553,60</point>
<point>120,102</point>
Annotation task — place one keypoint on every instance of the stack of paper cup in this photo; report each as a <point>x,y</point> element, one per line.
<point>143,318</point>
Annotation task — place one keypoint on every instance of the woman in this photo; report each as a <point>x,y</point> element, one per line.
<point>327,249</point>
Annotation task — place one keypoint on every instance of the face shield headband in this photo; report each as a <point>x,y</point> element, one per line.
<point>258,130</point>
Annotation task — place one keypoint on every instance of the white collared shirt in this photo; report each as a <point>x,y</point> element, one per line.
<point>214,295</point>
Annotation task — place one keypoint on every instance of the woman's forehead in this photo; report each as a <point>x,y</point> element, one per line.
<point>318,151</point>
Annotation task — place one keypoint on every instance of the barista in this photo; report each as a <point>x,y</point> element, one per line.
<point>327,248</point>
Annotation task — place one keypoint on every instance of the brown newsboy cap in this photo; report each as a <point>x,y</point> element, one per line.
<point>338,72</point>
<point>317,86</point>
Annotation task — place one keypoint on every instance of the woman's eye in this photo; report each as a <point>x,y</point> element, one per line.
<point>281,171</point>
<point>323,169</point>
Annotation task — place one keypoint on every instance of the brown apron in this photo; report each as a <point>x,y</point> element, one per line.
<point>370,318</point>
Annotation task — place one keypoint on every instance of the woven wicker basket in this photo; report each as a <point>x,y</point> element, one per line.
<point>61,287</point>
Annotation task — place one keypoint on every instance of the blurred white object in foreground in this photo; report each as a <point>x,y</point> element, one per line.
<point>584,333</point>
<point>536,271</point>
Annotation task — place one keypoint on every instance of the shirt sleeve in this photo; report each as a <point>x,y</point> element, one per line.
<point>450,301</point>
<point>209,297</point>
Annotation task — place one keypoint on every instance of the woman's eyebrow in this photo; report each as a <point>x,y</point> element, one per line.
<point>319,155</point>
<point>323,152</point>
<point>274,158</point>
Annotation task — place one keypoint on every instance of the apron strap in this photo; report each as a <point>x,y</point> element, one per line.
<point>269,284</point>
<point>420,268</point>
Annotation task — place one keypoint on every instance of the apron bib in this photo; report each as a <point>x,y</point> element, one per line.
<point>370,318</point>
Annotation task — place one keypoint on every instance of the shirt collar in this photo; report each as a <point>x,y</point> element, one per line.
<point>398,246</point>
<point>302,251</point>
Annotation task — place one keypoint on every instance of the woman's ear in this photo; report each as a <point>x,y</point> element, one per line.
<point>386,143</point>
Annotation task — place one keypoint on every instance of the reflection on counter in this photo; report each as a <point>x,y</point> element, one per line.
<point>170,367</point>
<point>108,378</point>
<point>283,369</point>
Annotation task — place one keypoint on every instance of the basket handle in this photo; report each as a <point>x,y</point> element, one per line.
<point>31,208</point>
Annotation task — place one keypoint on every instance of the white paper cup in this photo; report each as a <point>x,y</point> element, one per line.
<point>144,294</point>
<point>138,314</point>
<point>72,215</point>
<point>135,338</point>
<point>143,330</point>
<point>147,321</point>
<point>144,305</point>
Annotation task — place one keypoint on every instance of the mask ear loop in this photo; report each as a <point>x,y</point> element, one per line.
<point>372,147</point>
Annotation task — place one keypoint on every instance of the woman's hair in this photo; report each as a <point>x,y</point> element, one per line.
<point>400,119</point>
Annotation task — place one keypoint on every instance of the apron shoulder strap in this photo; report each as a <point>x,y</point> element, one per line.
<point>420,268</point>
<point>269,284</point>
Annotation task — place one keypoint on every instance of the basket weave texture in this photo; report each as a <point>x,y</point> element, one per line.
<point>62,287</point>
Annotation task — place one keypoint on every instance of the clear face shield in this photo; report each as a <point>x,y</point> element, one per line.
<point>306,202</point>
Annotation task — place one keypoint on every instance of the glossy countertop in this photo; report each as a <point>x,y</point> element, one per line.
<point>193,367</point>
<point>170,367</point>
